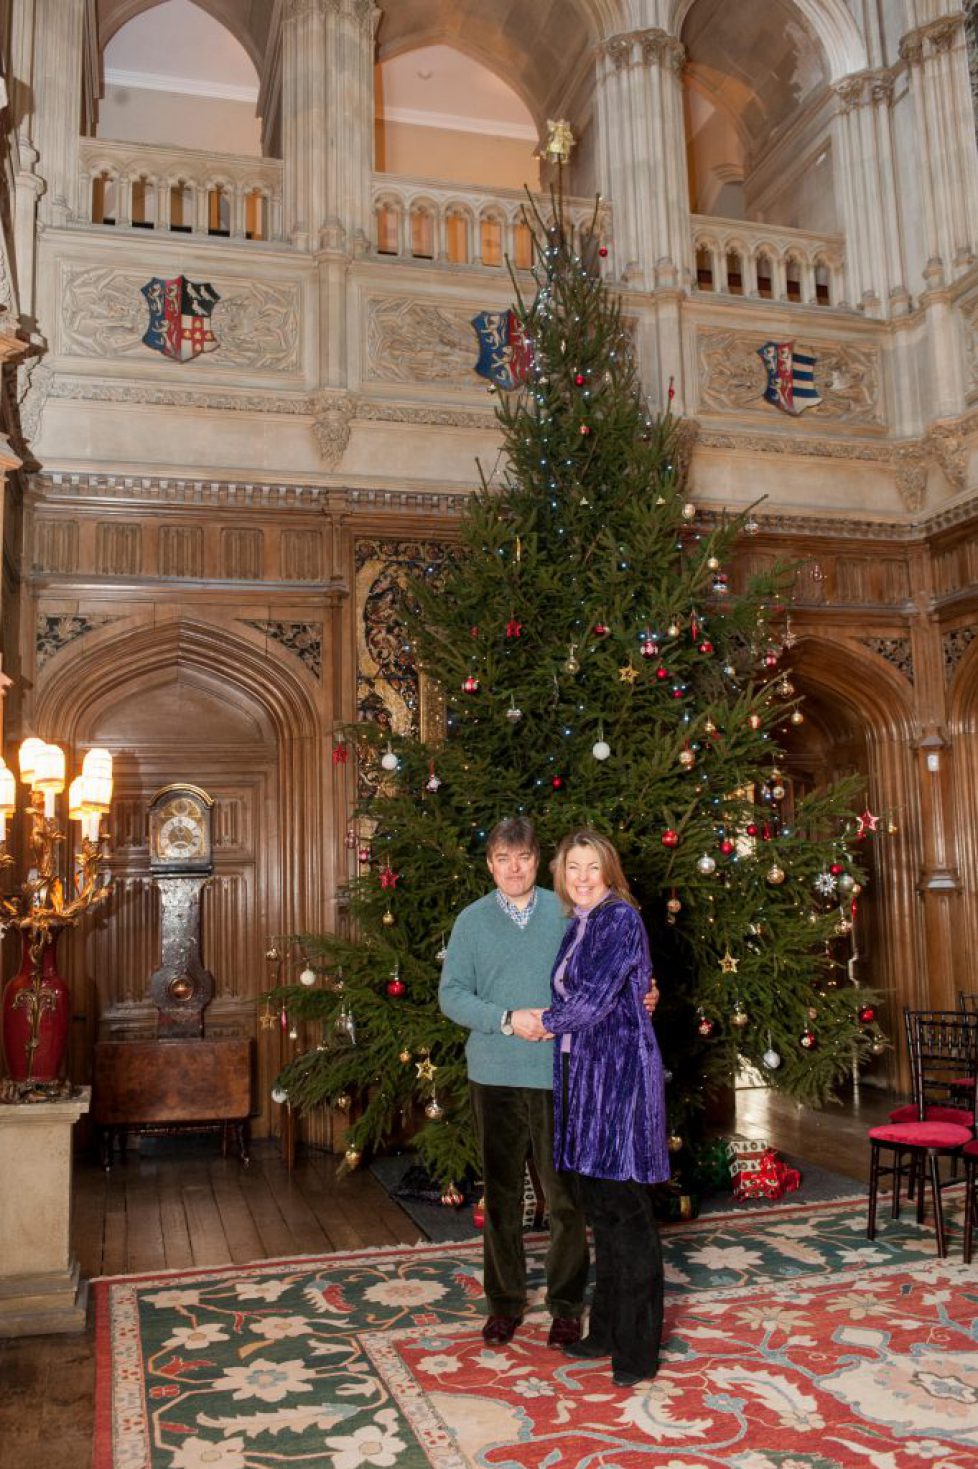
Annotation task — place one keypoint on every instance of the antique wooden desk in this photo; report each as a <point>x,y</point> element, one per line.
<point>172,1085</point>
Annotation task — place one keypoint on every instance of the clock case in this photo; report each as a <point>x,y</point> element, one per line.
<point>181,988</point>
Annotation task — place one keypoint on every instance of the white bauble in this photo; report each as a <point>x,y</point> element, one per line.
<point>279,1094</point>
<point>601,750</point>
<point>307,977</point>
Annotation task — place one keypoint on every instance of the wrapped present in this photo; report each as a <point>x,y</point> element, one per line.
<point>770,1179</point>
<point>713,1165</point>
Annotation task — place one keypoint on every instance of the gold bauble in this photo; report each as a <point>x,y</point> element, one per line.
<point>739,1018</point>
<point>352,1157</point>
<point>404,1057</point>
<point>878,1046</point>
<point>675,1143</point>
<point>434,1110</point>
<point>388,919</point>
<point>687,759</point>
<point>344,1101</point>
<point>775,874</point>
<point>797,717</point>
<point>755,721</point>
<point>674,906</point>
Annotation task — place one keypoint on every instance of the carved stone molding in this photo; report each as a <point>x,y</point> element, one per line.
<point>91,390</point>
<point>173,491</point>
<point>55,632</point>
<point>938,35</point>
<point>332,423</point>
<point>34,383</point>
<point>865,87</point>
<point>415,341</point>
<point>955,645</point>
<point>949,445</point>
<point>653,47</point>
<point>732,378</point>
<point>911,475</point>
<point>257,323</point>
<point>757,443</point>
<point>362,11</point>
<point>898,651</point>
<point>303,639</point>
<point>377,412</point>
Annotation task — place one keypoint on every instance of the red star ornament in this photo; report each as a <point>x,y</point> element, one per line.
<point>340,753</point>
<point>868,822</point>
<point>388,877</point>
<point>513,628</point>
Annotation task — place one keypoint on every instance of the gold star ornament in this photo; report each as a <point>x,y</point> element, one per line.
<point>728,964</point>
<point>628,674</point>
<point>426,1069</point>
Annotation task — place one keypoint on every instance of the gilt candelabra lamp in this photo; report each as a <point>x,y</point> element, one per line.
<point>59,888</point>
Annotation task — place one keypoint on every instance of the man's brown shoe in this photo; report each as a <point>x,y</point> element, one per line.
<point>498,1330</point>
<point>564,1331</point>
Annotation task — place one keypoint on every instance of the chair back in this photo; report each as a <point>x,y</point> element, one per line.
<point>943,1048</point>
<point>968,1003</point>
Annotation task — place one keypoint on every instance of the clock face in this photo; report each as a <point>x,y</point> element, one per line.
<point>179,831</point>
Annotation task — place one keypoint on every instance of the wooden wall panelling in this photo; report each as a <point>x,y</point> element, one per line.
<point>963,732</point>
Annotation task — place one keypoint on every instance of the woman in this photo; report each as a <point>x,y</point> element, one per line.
<point>609,1102</point>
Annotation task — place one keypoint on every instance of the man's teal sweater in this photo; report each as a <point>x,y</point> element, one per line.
<point>493,966</point>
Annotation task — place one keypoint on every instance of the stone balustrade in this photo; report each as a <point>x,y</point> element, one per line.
<point>133,186</point>
<point>456,224</point>
<point>768,262</point>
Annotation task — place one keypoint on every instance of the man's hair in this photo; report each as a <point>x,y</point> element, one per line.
<point>513,831</point>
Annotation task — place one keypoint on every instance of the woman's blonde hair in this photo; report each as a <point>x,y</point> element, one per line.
<point>611,868</point>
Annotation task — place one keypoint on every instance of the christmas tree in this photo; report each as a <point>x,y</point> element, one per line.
<point>599,666</point>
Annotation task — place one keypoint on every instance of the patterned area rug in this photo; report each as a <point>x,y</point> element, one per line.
<point>791,1343</point>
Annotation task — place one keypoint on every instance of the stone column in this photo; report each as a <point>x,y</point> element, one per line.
<point>327,111</point>
<point>643,157</point>
<point>59,42</point>
<point>864,141</point>
<point>945,161</point>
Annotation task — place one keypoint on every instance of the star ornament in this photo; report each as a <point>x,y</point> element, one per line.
<point>868,822</point>
<point>340,753</point>
<point>513,628</point>
<point>388,877</point>
<point>728,964</point>
<point>426,1069</point>
<point>628,674</point>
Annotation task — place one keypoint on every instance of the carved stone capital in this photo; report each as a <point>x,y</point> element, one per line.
<point>949,446</point>
<point>911,476</point>
<point>332,423</point>
<point>851,91</point>
<point>931,39</point>
<point>652,47</point>
<point>363,12</point>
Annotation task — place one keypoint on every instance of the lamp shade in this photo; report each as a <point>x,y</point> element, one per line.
<point>29,750</point>
<point>8,791</point>
<point>49,770</point>
<point>77,809</point>
<point>97,775</point>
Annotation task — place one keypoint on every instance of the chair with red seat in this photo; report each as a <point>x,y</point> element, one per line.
<point>943,1048</point>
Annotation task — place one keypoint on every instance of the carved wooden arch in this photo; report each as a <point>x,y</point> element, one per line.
<point>828,20</point>
<point>219,657</point>
<point>879,701</point>
<point>114,14</point>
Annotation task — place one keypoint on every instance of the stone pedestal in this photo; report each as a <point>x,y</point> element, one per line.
<point>40,1287</point>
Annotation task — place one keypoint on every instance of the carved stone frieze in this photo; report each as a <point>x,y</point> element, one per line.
<point>419,413</point>
<point>969,313</point>
<point>34,383</point>
<point>955,645</point>
<point>54,632</point>
<point>304,639</point>
<point>911,465</point>
<point>898,651</point>
<point>103,314</point>
<point>732,378</point>
<point>948,443</point>
<point>415,341</point>
<point>332,422</point>
<point>362,11</point>
<point>863,87</point>
<point>88,390</point>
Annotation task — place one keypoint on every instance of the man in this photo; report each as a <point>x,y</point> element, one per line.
<point>496,971</point>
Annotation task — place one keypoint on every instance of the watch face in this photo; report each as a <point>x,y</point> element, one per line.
<point>179,830</point>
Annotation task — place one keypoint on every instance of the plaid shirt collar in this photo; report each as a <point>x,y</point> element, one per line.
<point>520,916</point>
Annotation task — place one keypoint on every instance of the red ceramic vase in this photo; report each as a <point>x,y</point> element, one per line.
<point>52,1004</point>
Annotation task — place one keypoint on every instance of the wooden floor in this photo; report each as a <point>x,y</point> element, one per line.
<point>171,1210</point>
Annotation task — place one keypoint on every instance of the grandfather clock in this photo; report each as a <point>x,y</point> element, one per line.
<point>180,859</point>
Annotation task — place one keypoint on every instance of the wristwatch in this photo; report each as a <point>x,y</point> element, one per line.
<point>506,1025</point>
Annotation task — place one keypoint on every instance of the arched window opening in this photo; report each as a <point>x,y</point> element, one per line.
<point>765,277</point>
<point>388,229</point>
<point>143,204</point>
<point>457,237</point>
<point>823,285</point>
<point>218,211</point>
<point>211,85</point>
<point>443,116</point>
<point>735,273</point>
<point>422,234</point>
<point>256,215</point>
<point>181,208</point>
<point>103,198</point>
<point>704,268</point>
<point>522,246</point>
<point>793,278</point>
<point>491,240</point>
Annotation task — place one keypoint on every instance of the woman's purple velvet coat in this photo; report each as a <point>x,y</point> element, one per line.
<point>614,1121</point>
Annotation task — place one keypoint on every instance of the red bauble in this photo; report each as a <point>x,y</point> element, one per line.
<point>670,838</point>
<point>580,379</point>
<point>470,685</point>
<point>600,631</point>
<point>770,660</point>
<point>706,1026</point>
<point>706,646</point>
<point>727,846</point>
<point>837,869</point>
<point>395,988</point>
<point>558,782</point>
<point>662,674</point>
<point>751,829</point>
<point>807,1040</point>
<point>479,1214</point>
<point>649,649</point>
<point>677,693</point>
<point>866,1015</point>
<point>603,251</point>
<point>585,430</point>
